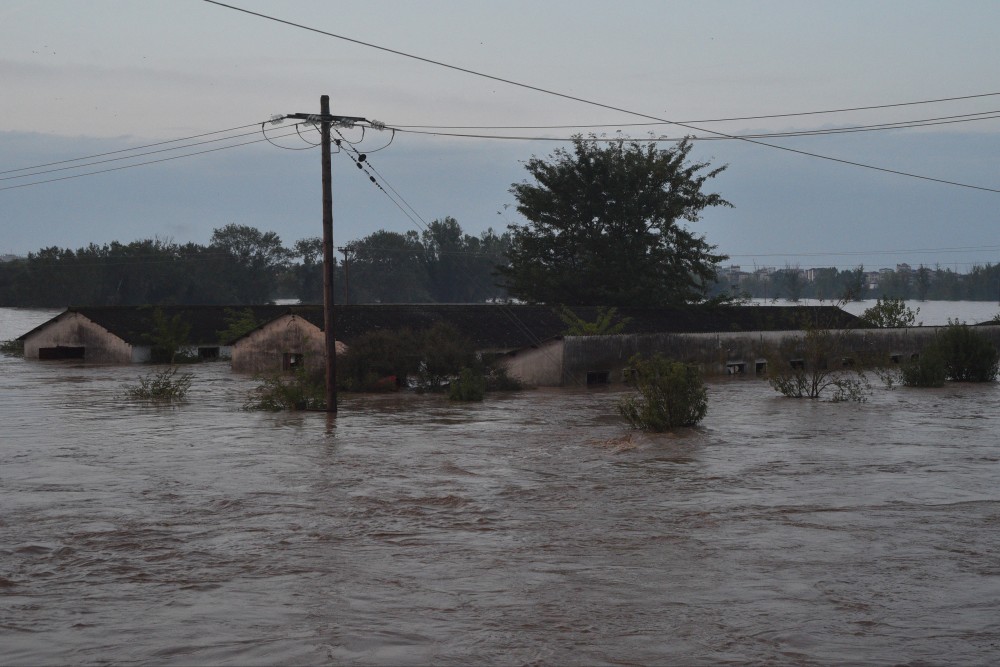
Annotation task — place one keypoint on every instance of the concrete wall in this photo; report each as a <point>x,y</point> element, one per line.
<point>576,357</point>
<point>263,350</point>
<point>540,366</point>
<point>73,330</point>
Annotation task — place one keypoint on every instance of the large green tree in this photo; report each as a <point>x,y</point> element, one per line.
<point>606,226</point>
<point>254,260</point>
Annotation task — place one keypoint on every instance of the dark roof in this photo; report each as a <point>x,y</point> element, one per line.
<point>487,326</point>
<point>501,326</point>
<point>132,323</point>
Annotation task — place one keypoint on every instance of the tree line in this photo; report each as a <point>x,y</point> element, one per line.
<point>244,265</point>
<point>981,283</point>
<point>607,223</point>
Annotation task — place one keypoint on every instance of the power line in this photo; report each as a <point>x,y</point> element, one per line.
<point>125,150</point>
<point>126,157</point>
<point>419,221</point>
<point>138,164</point>
<point>704,120</point>
<point>601,105</point>
<point>880,127</point>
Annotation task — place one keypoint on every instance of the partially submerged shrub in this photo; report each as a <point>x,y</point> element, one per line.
<point>801,368</point>
<point>13,348</point>
<point>443,355</point>
<point>165,385</point>
<point>468,386</point>
<point>498,379</point>
<point>670,394</point>
<point>378,361</point>
<point>927,370</point>
<point>968,355</point>
<point>298,390</point>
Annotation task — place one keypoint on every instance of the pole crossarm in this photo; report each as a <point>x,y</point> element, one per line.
<point>327,118</point>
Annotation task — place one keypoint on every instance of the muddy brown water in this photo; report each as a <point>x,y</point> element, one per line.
<point>528,529</point>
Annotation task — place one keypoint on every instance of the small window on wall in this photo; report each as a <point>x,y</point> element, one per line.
<point>291,361</point>
<point>598,377</point>
<point>736,367</point>
<point>208,353</point>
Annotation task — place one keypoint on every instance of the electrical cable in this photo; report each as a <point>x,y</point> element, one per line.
<point>654,139</point>
<point>512,316</point>
<point>133,156</point>
<point>135,148</point>
<point>601,105</point>
<point>878,127</point>
<point>138,164</point>
<point>706,120</point>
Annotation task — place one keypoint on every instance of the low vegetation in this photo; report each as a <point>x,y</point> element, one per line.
<point>299,390</point>
<point>670,394</point>
<point>436,360</point>
<point>12,348</point>
<point>814,366</point>
<point>470,385</point>
<point>968,355</point>
<point>927,370</point>
<point>608,323</point>
<point>164,386</point>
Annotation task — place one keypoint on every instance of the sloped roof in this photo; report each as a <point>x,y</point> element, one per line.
<point>503,326</point>
<point>487,326</point>
<point>132,323</point>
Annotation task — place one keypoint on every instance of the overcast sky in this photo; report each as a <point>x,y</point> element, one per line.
<point>86,78</point>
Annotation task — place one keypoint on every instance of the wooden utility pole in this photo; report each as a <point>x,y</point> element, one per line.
<point>325,120</point>
<point>329,318</point>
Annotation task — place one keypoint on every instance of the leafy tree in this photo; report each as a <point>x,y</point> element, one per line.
<point>670,394</point>
<point>308,276</point>
<point>790,282</point>
<point>167,337</point>
<point>388,267</point>
<point>255,258</point>
<point>460,266</point>
<point>605,227</point>
<point>889,313</point>
<point>853,284</point>
<point>238,324</point>
<point>922,282</point>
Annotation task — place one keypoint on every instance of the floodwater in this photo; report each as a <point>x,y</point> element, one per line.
<point>527,529</point>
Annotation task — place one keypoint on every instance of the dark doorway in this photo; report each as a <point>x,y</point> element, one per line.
<point>60,352</point>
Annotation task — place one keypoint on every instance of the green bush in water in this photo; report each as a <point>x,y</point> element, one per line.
<point>298,390</point>
<point>163,385</point>
<point>670,394</point>
<point>928,370</point>
<point>468,386</point>
<point>968,355</point>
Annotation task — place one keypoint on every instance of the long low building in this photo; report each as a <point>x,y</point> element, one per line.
<point>128,334</point>
<point>289,336</point>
